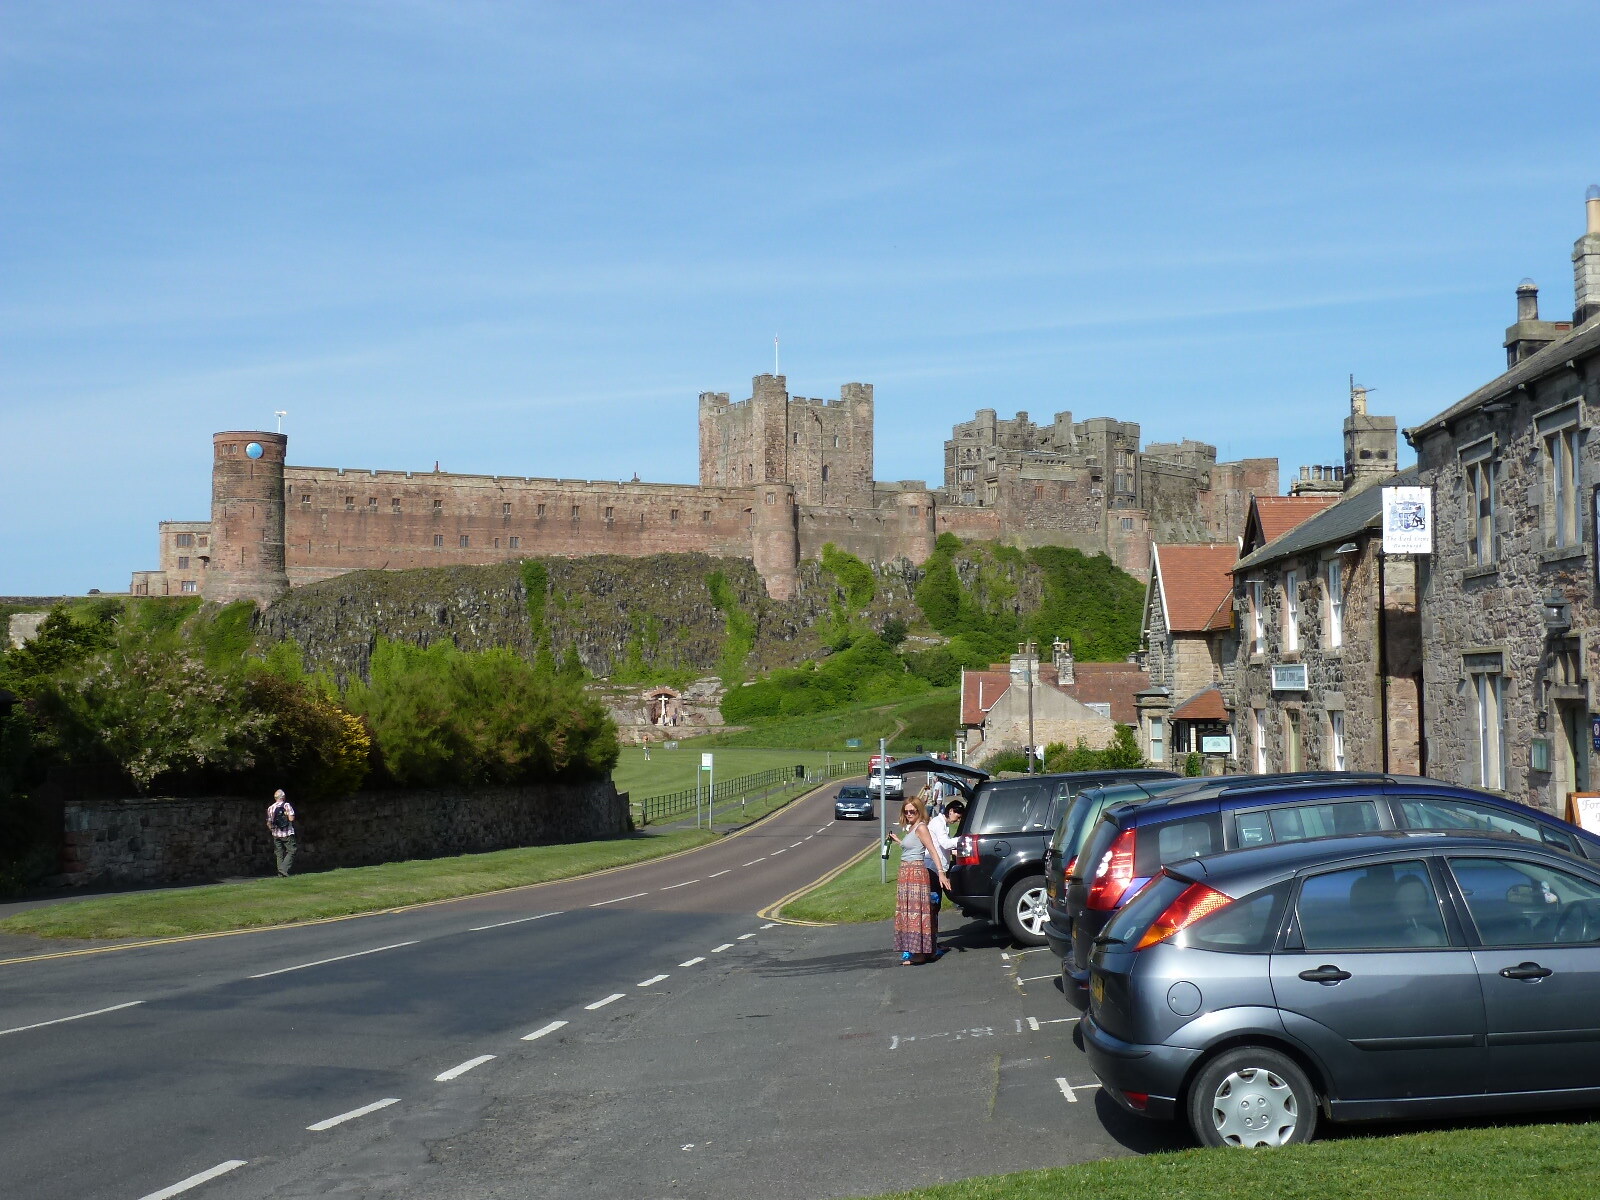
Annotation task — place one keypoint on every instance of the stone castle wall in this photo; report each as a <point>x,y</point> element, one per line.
<point>161,841</point>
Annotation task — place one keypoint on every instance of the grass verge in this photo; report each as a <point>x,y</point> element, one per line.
<point>346,892</point>
<point>852,897</point>
<point>928,720</point>
<point>1550,1162</point>
<point>673,770</point>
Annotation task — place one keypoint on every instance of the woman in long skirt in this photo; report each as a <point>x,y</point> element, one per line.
<point>915,935</point>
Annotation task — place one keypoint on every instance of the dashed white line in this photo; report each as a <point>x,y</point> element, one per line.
<point>721,948</point>
<point>808,837</point>
<point>74,1017</point>
<point>617,900</point>
<point>462,1068</point>
<point>1037,978</point>
<point>602,1003</point>
<point>654,979</point>
<point>775,853</point>
<point>233,1164</point>
<point>518,921</point>
<point>542,1030</point>
<point>820,828</point>
<point>685,883</point>
<point>692,961</point>
<point>744,937</point>
<point>754,861</point>
<point>718,873</point>
<point>793,845</point>
<point>353,1114</point>
<point>336,958</point>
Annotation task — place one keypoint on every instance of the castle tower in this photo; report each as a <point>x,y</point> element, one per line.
<point>247,551</point>
<point>1370,444</point>
<point>915,533</point>
<point>1586,262</point>
<point>775,538</point>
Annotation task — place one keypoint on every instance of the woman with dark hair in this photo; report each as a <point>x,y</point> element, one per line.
<point>915,934</point>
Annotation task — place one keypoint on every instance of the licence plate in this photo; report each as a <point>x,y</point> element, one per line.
<point>1097,989</point>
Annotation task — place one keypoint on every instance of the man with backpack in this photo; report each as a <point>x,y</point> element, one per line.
<point>280,824</point>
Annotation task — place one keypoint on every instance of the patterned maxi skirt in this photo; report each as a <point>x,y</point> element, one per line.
<point>913,918</point>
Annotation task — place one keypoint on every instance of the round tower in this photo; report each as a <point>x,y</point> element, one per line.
<point>775,538</point>
<point>247,551</point>
<point>916,530</point>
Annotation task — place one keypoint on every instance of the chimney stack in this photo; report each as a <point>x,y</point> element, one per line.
<point>1530,335</point>
<point>1586,262</point>
<point>1370,444</point>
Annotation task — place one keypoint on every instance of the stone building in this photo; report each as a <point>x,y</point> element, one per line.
<point>1072,702</point>
<point>1091,485</point>
<point>1509,611</point>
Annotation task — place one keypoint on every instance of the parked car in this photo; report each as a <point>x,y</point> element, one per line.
<point>854,802</point>
<point>997,871</point>
<point>1133,841</point>
<point>1389,975</point>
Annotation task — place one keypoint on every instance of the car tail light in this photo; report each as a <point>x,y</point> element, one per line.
<point>1114,874</point>
<point>966,851</point>
<point>1195,901</point>
<point>1138,1101</point>
<point>1071,862</point>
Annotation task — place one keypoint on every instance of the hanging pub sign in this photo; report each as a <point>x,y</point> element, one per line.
<point>1407,520</point>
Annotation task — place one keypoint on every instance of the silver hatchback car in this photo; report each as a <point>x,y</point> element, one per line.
<point>1391,975</point>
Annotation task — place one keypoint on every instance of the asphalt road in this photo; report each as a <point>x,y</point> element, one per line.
<point>637,1033</point>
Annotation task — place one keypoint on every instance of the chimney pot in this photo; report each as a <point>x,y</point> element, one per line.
<point>1527,301</point>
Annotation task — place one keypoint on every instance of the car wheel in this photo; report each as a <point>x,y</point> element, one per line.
<point>1252,1097</point>
<point>1024,910</point>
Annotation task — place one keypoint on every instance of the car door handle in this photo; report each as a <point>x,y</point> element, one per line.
<point>1325,974</point>
<point>1527,970</point>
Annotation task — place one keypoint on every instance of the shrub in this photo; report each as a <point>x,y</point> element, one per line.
<point>1005,760</point>
<point>1194,765</point>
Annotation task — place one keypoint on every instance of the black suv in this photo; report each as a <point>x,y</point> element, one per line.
<point>998,869</point>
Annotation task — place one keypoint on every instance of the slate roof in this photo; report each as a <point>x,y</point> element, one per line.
<point>1274,516</point>
<point>1196,585</point>
<point>1344,520</point>
<point>1113,683</point>
<point>1202,706</point>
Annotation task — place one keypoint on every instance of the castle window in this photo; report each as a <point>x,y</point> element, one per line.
<point>824,473</point>
<point>394,505</point>
<point>575,511</point>
<point>674,517</point>
<point>915,510</point>
<point>1038,491</point>
<point>349,503</point>
<point>497,543</point>
<point>183,563</point>
<point>749,472</point>
<point>1063,494</point>
<point>465,541</point>
<point>611,513</point>
<point>203,541</point>
<point>438,506</point>
<point>516,543</point>
<point>641,520</point>
<point>188,585</point>
<point>797,439</point>
<point>372,502</point>
<point>540,512</point>
<point>772,497</point>
<point>966,475</point>
<point>305,497</point>
<point>183,539</point>
<point>438,541</point>
<point>505,509</point>
<point>836,441</point>
<point>1127,524</point>
<point>705,517</point>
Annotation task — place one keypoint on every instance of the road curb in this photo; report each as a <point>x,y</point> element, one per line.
<point>772,911</point>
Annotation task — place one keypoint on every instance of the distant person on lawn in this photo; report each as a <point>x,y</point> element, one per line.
<point>280,824</point>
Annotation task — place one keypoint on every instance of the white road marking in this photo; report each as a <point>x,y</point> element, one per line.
<point>830,822</point>
<point>960,1035</point>
<point>603,1003</point>
<point>692,961</point>
<point>542,1030</point>
<point>770,925</point>
<point>715,876</point>
<point>618,899</point>
<point>685,883</point>
<point>74,1017</point>
<point>808,837</point>
<point>1037,978</point>
<point>1005,955</point>
<point>744,937</point>
<point>775,853</point>
<point>796,844</point>
<point>1070,1091</point>
<point>518,921</point>
<point>754,861</point>
<point>1033,1024</point>
<point>462,1068</point>
<point>353,1114</point>
<point>721,948</point>
<point>1060,1020</point>
<point>820,828</point>
<point>336,958</point>
<point>1035,950</point>
<point>652,980</point>
<point>233,1164</point>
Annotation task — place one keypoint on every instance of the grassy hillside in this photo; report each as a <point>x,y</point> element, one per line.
<point>928,719</point>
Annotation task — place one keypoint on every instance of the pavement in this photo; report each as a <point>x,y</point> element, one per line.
<point>638,1033</point>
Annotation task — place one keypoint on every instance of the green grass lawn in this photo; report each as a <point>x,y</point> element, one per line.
<point>275,901</point>
<point>673,770</point>
<point>1512,1162</point>
<point>928,720</point>
<point>854,896</point>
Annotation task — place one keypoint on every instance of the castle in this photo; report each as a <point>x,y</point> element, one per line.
<point>780,477</point>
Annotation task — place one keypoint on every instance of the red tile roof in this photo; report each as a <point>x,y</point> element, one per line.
<point>1273,516</point>
<point>979,691</point>
<point>1113,683</point>
<point>1196,585</point>
<point>1202,706</point>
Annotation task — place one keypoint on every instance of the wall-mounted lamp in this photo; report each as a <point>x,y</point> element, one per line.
<point>1557,615</point>
<point>1348,548</point>
<point>1497,406</point>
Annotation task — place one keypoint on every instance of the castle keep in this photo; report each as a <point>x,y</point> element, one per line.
<point>780,477</point>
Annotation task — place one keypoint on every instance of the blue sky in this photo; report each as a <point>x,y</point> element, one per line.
<point>521,238</point>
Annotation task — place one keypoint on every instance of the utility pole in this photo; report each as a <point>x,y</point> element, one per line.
<point>883,813</point>
<point>1029,649</point>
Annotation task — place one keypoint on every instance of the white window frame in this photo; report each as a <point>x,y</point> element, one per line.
<point>1336,755</point>
<point>1489,718</point>
<point>1294,753</point>
<point>1291,611</point>
<point>1256,590</point>
<point>1158,739</point>
<point>1260,738</point>
<point>1481,469</point>
<point>1333,581</point>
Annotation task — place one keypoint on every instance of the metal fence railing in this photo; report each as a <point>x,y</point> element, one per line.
<point>757,786</point>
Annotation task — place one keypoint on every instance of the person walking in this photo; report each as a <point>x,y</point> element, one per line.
<point>280,824</point>
<point>921,876</point>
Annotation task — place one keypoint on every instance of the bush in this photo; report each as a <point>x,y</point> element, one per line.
<point>1194,765</point>
<point>866,671</point>
<point>1005,760</point>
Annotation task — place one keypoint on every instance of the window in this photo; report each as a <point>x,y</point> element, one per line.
<point>1175,841</point>
<point>438,506</point>
<point>465,541</point>
<point>1451,812</point>
<point>1260,739</point>
<point>836,441</point>
<point>1488,695</point>
<point>1291,611</point>
<point>183,562</point>
<point>394,504</point>
<point>915,509</point>
<point>1038,491</point>
<point>771,498</point>
<point>183,539</point>
<point>1298,822</point>
<point>1158,739</point>
<point>672,516</point>
<point>539,512</point>
<point>1291,740</point>
<point>505,509</point>
<point>1482,478</point>
<point>705,516</point>
<point>1014,807</point>
<point>796,441</point>
<point>1389,906</point>
<point>824,472</point>
<point>965,475</point>
<point>188,585</point>
<point>575,511</point>
<point>1516,903</point>
<point>1336,741</point>
<point>349,503</point>
<point>202,541</point>
<point>1561,446</point>
<point>1248,926</point>
<point>1333,580</point>
<point>1256,590</point>
<point>438,541</point>
<point>305,497</point>
<point>372,502</point>
<point>1100,706</point>
<point>611,513</point>
<point>749,472</point>
<point>516,543</point>
<point>1127,524</point>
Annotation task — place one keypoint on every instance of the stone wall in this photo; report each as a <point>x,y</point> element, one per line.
<point>162,841</point>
